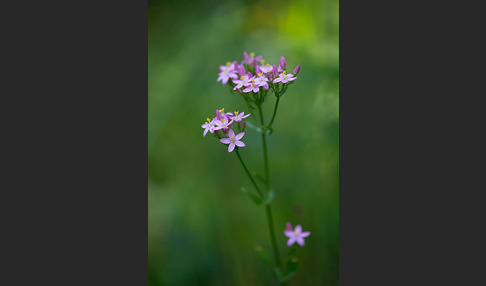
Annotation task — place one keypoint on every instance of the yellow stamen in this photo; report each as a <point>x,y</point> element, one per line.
<point>262,61</point>
<point>260,74</point>
<point>221,110</point>
<point>228,63</point>
<point>208,119</point>
<point>222,120</point>
<point>242,77</point>
<point>252,54</point>
<point>284,72</point>
<point>267,65</point>
<point>236,113</point>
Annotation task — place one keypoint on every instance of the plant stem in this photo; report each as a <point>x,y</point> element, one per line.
<point>268,208</point>
<point>249,175</point>
<point>265,155</point>
<point>274,112</point>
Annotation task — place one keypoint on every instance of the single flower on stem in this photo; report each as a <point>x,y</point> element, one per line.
<point>233,140</point>
<point>295,235</point>
<point>226,73</point>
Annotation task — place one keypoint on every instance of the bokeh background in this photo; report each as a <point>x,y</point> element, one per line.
<point>202,229</point>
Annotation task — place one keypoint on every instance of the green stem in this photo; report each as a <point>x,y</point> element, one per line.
<point>274,112</point>
<point>268,208</point>
<point>249,175</point>
<point>265,155</point>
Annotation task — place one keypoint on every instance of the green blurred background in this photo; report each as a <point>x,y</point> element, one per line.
<point>202,229</point>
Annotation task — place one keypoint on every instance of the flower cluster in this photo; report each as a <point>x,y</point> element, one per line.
<point>223,126</point>
<point>252,75</point>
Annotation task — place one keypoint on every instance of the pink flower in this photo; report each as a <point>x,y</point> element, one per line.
<point>241,82</point>
<point>238,116</point>
<point>266,68</point>
<point>262,80</point>
<point>233,140</point>
<point>226,73</point>
<point>209,126</point>
<point>252,85</point>
<point>284,77</point>
<point>249,59</point>
<point>295,235</point>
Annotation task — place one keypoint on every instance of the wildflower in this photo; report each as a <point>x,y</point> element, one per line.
<point>284,77</point>
<point>238,116</point>
<point>249,58</point>
<point>209,126</point>
<point>226,73</point>
<point>262,80</point>
<point>242,81</point>
<point>252,86</point>
<point>222,121</point>
<point>266,68</point>
<point>233,140</point>
<point>295,235</point>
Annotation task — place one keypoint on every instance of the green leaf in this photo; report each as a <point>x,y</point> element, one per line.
<point>255,198</point>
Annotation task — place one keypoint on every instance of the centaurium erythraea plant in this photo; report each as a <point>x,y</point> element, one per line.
<point>253,79</point>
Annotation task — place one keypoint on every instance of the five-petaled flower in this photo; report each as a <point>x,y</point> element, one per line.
<point>238,116</point>
<point>210,126</point>
<point>284,77</point>
<point>233,140</point>
<point>295,235</point>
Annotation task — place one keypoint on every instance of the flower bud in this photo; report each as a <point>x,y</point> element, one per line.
<point>297,69</point>
<point>275,70</point>
<point>283,63</point>
<point>246,58</point>
<point>241,70</point>
<point>254,62</point>
<point>238,90</point>
<point>243,126</point>
<point>289,226</point>
<point>235,65</point>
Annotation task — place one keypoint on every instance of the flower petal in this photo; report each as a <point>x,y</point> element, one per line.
<point>305,234</point>
<point>240,144</point>
<point>205,131</point>
<point>231,133</point>
<point>300,241</point>
<point>240,135</point>
<point>291,241</point>
<point>289,233</point>
<point>298,228</point>
<point>225,140</point>
<point>231,146</point>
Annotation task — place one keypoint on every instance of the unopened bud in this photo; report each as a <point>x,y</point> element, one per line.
<point>283,63</point>
<point>297,69</point>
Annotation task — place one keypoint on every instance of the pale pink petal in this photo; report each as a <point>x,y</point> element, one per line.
<point>205,131</point>
<point>277,80</point>
<point>225,80</point>
<point>305,234</point>
<point>225,140</point>
<point>231,133</point>
<point>300,241</point>
<point>289,233</point>
<point>248,89</point>
<point>291,241</point>
<point>245,115</point>
<point>240,144</point>
<point>240,135</point>
<point>231,147</point>
<point>298,228</point>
